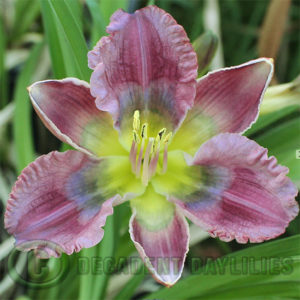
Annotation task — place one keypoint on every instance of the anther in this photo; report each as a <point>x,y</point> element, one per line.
<point>146,162</point>
<point>161,133</point>
<point>136,137</point>
<point>136,120</point>
<point>167,138</point>
<point>144,132</point>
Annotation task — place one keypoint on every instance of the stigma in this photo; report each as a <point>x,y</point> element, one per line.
<point>145,151</point>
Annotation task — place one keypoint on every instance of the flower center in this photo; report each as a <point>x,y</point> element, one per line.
<point>144,152</point>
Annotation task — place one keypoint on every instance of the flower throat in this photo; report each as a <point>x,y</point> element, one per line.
<point>144,152</point>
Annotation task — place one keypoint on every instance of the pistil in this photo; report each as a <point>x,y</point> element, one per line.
<point>145,175</point>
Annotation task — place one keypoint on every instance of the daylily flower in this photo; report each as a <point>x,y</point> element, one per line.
<point>146,131</point>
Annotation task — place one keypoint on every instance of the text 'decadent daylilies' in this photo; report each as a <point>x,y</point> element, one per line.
<point>169,144</point>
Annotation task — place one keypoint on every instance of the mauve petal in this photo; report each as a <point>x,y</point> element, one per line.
<point>68,110</point>
<point>232,96</point>
<point>160,233</point>
<point>146,63</point>
<point>94,56</point>
<point>227,100</point>
<point>55,205</point>
<point>257,199</point>
<point>163,252</point>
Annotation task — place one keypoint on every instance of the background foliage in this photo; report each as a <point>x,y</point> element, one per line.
<point>49,39</point>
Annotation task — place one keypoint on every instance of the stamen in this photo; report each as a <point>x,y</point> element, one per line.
<point>156,145</point>
<point>136,121</point>
<point>144,132</point>
<point>139,161</point>
<point>167,137</point>
<point>145,175</point>
<point>132,156</point>
<point>153,163</point>
<point>165,158</point>
<point>147,161</point>
<point>136,137</point>
<point>161,133</point>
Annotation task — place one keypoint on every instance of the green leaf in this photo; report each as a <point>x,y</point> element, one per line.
<point>26,11</point>
<point>87,280</point>
<point>283,142</point>
<point>108,7</point>
<point>93,284</point>
<point>22,119</point>
<point>67,46</point>
<point>270,264</point>
<point>69,28</point>
<point>128,290</point>
<point>3,75</point>
<point>267,119</point>
<point>75,7</point>
<point>106,251</point>
<point>99,24</point>
<point>53,41</point>
<point>274,290</point>
<point>66,40</point>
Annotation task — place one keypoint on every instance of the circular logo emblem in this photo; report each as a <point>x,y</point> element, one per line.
<point>37,268</point>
